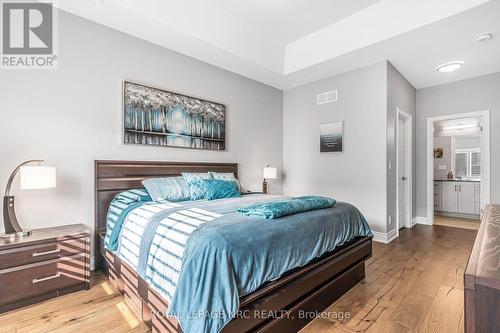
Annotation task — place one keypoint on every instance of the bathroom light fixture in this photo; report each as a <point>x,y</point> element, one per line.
<point>484,37</point>
<point>449,66</point>
<point>460,127</point>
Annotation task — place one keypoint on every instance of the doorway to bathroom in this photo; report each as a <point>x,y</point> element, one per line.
<point>458,174</point>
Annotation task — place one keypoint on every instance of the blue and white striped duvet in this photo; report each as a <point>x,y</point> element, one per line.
<point>202,256</point>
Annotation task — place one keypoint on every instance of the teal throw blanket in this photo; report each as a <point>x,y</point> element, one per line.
<point>277,209</point>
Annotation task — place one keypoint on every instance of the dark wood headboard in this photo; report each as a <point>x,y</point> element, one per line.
<point>112,177</point>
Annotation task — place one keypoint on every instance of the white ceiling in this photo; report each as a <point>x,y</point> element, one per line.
<point>289,20</point>
<point>286,43</point>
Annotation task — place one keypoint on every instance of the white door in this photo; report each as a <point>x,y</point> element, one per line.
<point>402,176</point>
<point>466,203</point>
<point>449,197</point>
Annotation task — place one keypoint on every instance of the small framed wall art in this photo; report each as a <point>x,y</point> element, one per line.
<point>332,137</point>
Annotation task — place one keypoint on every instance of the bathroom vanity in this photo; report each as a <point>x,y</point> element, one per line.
<point>457,198</point>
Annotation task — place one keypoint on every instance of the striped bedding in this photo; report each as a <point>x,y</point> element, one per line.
<point>154,226</point>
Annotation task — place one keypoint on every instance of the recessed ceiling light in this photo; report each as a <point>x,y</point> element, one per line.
<point>484,37</point>
<point>449,66</point>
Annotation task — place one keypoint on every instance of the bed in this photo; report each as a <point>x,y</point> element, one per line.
<point>285,298</point>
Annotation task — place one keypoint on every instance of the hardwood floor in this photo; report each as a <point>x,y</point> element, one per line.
<point>414,284</point>
<point>101,309</point>
<point>456,222</point>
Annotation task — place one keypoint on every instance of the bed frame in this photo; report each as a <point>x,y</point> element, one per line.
<point>302,291</point>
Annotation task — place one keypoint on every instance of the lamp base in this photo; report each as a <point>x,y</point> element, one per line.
<point>15,235</point>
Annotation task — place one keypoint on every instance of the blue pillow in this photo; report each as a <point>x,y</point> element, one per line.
<point>167,188</point>
<point>195,185</point>
<point>225,176</point>
<point>218,189</point>
<point>135,195</point>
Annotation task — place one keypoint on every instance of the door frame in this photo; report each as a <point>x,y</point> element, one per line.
<point>485,158</point>
<point>408,125</point>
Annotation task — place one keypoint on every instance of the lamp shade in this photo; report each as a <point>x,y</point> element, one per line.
<point>35,177</point>
<point>270,173</point>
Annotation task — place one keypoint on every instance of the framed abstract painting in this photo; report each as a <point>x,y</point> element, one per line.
<point>153,116</point>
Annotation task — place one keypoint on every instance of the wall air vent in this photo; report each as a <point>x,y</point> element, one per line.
<point>327,97</point>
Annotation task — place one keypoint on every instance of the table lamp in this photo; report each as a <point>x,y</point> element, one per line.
<point>32,177</point>
<point>269,173</point>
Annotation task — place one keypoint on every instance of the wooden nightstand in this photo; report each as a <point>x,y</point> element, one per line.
<point>48,263</point>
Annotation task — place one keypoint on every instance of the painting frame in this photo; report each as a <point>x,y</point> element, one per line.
<point>330,133</point>
<point>438,152</point>
<point>223,114</point>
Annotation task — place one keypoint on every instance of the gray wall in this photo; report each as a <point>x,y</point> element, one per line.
<point>445,142</point>
<point>358,175</point>
<point>73,115</point>
<point>477,94</point>
<point>400,93</point>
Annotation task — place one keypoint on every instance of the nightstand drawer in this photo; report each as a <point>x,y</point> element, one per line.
<point>37,253</point>
<point>42,279</point>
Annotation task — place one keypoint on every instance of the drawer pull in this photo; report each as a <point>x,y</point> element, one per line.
<point>37,254</point>
<point>46,278</point>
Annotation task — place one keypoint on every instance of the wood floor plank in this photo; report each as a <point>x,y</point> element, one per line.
<point>106,319</point>
<point>104,316</point>
<point>457,222</point>
<point>78,309</point>
<point>454,277</point>
<point>101,289</point>
<point>434,273</point>
<point>410,313</point>
<point>445,313</point>
<point>462,323</point>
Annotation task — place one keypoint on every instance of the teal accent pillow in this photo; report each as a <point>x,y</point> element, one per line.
<point>218,189</point>
<point>225,176</point>
<point>135,195</point>
<point>195,185</point>
<point>167,188</point>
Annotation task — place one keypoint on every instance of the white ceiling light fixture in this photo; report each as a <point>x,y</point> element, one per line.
<point>484,37</point>
<point>460,127</point>
<point>449,66</point>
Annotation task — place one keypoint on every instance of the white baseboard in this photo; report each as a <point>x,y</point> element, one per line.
<point>385,238</point>
<point>421,220</point>
<point>392,235</point>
